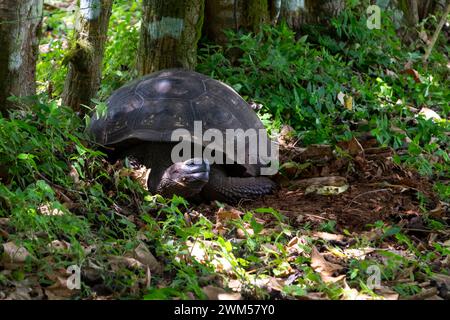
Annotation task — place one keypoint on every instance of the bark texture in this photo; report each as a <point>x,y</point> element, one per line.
<point>223,15</point>
<point>169,34</point>
<point>416,10</point>
<point>20,23</point>
<point>298,13</point>
<point>86,53</point>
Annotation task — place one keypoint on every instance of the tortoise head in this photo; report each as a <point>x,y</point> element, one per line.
<point>184,178</point>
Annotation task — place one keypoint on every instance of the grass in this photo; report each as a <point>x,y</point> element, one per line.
<point>65,205</point>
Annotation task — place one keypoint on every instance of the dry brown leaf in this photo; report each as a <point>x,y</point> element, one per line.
<point>353,294</point>
<point>74,175</point>
<point>59,290</point>
<point>22,290</point>
<point>89,249</point>
<point>47,210</point>
<point>235,285</point>
<point>4,222</point>
<point>286,136</point>
<point>328,236</point>
<point>59,245</point>
<point>386,293</point>
<point>199,251</point>
<point>14,254</point>
<point>246,232</point>
<point>324,268</point>
<point>223,216</point>
<point>413,73</point>
<point>118,262</point>
<point>272,283</point>
<point>216,293</point>
<point>353,147</point>
<point>358,254</point>
<point>293,245</point>
<point>144,256</point>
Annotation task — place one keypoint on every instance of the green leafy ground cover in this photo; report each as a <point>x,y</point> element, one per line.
<point>63,204</point>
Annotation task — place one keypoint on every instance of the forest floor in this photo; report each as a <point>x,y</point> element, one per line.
<point>346,197</point>
<point>352,219</point>
<point>347,226</point>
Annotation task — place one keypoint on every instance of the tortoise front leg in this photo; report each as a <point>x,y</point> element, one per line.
<point>232,189</point>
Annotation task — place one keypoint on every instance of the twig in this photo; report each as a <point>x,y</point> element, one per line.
<point>436,34</point>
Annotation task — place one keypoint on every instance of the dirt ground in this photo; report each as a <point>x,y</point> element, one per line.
<point>377,189</point>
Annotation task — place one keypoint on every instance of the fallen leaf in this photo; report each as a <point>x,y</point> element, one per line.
<point>429,114</point>
<point>441,279</point>
<point>324,268</point>
<point>59,245</point>
<point>340,97</point>
<point>4,222</point>
<point>118,262</point>
<point>223,217</point>
<point>352,146</point>
<point>245,232</point>
<point>286,136</point>
<point>144,256</point>
<point>346,100</point>
<point>424,294</point>
<point>198,250</point>
<point>28,289</point>
<point>14,254</point>
<point>358,254</point>
<point>386,293</point>
<point>74,175</point>
<point>353,294</point>
<point>47,210</point>
<point>216,293</point>
<point>326,190</point>
<point>328,236</point>
<point>293,245</point>
<point>413,73</point>
<point>271,283</point>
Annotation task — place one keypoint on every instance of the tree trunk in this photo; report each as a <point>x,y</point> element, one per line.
<point>256,14</point>
<point>298,13</point>
<point>223,15</point>
<point>86,53</point>
<point>20,23</point>
<point>410,10</point>
<point>169,34</point>
<point>416,10</point>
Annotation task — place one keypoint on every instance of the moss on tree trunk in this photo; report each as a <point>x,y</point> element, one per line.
<point>223,15</point>
<point>86,53</point>
<point>169,34</point>
<point>298,13</point>
<point>20,23</point>
<point>257,13</point>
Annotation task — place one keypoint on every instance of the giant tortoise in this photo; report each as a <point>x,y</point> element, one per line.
<point>141,117</point>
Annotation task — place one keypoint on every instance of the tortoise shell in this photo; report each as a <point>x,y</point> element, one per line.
<point>152,107</point>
